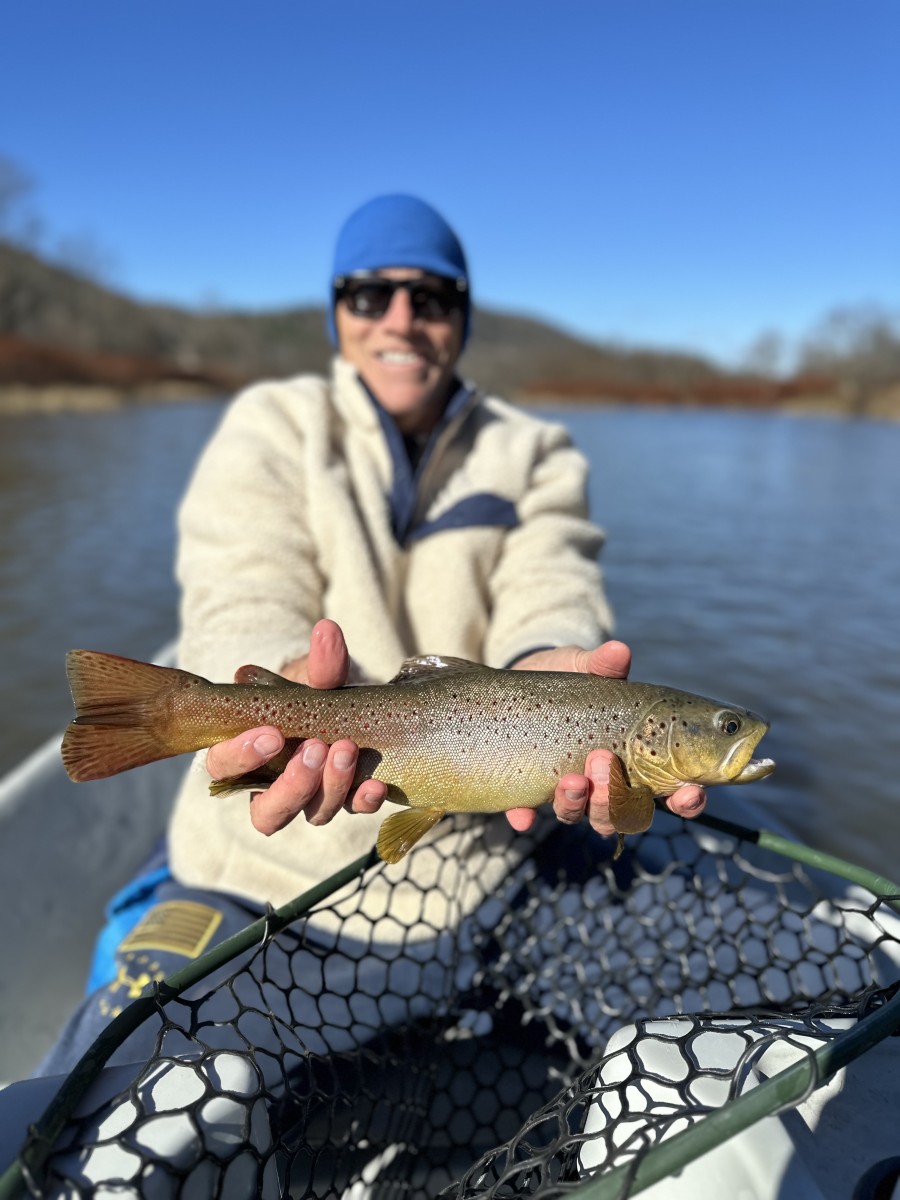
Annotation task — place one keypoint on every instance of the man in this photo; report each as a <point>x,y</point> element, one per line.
<point>393,503</point>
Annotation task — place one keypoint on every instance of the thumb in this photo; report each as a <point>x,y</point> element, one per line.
<point>328,663</point>
<point>612,659</point>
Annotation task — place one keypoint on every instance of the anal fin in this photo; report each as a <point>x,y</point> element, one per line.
<point>402,830</point>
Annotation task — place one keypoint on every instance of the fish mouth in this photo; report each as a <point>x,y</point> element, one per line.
<point>740,766</point>
<point>756,768</point>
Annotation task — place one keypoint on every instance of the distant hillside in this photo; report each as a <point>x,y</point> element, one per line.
<point>45,305</point>
<point>61,333</point>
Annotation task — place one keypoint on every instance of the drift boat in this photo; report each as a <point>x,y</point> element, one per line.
<point>706,1016</point>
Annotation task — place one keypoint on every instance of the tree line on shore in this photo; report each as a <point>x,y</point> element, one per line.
<point>63,326</point>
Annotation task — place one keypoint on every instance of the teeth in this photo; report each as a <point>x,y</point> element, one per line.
<point>395,356</point>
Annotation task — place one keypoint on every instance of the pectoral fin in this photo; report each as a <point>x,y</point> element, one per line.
<point>253,781</point>
<point>402,830</point>
<point>630,808</point>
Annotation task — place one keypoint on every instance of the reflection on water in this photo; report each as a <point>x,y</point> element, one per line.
<point>752,557</point>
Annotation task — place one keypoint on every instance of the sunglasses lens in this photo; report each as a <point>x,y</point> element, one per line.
<point>430,302</point>
<point>370,298</point>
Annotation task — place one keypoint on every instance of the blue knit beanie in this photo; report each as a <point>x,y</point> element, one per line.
<point>397,231</point>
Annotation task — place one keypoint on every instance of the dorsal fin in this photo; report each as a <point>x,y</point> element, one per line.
<point>260,677</point>
<point>430,666</point>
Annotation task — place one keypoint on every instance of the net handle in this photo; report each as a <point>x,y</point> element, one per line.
<point>880,886</point>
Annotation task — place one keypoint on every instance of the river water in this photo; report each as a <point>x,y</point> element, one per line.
<point>753,557</point>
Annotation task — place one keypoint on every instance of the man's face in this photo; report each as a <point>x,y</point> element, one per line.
<point>406,361</point>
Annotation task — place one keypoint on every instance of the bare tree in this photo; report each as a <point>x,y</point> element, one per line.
<point>19,221</point>
<point>21,225</point>
<point>860,344</point>
<point>82,254</point>
<point>767,354</point>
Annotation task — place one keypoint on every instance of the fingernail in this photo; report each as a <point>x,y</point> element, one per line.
<point>576,795</point>
<point>600,771</point>
<point>314,755</point>
<point>343,760</point>
<point>266,743</point>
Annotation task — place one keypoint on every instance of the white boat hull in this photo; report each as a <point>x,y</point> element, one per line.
<point>65,849</point>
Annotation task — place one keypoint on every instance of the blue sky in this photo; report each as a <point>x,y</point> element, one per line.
<point>684,173</point>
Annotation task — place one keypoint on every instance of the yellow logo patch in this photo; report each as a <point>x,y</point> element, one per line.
<point>177,926</point>
<point>132,985</point>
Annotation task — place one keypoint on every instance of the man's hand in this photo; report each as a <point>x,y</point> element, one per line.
<point>588,793</point>
<point>318,778</point>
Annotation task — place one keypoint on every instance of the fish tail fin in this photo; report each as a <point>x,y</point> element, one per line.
<point>123,716</point>
<point>402,830</point>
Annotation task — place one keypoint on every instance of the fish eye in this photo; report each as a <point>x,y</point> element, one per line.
<point>729,723</point>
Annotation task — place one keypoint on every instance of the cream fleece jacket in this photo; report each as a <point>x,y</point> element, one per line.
<point>303,505</point>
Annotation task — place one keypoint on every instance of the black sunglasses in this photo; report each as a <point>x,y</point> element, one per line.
<point>371,295</point>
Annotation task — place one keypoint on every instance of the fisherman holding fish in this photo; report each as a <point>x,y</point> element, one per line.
<point>392,511</point>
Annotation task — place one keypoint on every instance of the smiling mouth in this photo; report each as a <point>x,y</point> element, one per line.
<point>400,358</point>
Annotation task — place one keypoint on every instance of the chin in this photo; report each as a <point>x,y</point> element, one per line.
<point>406,402</point>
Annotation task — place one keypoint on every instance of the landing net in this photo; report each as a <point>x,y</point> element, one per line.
<point>492,1017</point>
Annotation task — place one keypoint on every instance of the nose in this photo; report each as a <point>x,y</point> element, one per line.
<point>399,317</point>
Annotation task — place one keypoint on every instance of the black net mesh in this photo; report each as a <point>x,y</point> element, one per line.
<point>472,1024</point>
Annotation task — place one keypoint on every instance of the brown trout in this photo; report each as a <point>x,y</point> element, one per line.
<point>445,735</point>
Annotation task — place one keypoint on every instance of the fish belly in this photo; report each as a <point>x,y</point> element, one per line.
<point>475,767</point>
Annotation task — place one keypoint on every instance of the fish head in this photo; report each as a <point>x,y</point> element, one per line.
<point>689,739</point>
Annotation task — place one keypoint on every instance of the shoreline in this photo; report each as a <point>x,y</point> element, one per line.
<point>22,399</point>
<point>30,399</point>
